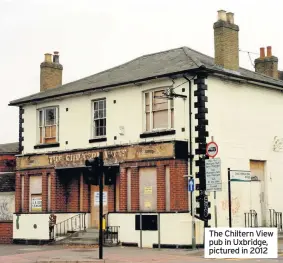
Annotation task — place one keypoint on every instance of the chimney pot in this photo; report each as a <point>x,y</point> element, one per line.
<point>56,57</point>
<point>222,15</point>
<point>226,41</point>
<point>230,17</point>
<point>262,52</point>
<point>269,51</point>
<point>48,57</point>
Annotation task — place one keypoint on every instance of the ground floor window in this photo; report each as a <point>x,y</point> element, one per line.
<point>35,193</point>
<point>148,189</point>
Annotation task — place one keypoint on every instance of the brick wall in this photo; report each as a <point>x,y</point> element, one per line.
<point>178,184</point>
<point>3,166</point>
<point>60,203</point>
<point>65,195</point>
<point>6,232</point>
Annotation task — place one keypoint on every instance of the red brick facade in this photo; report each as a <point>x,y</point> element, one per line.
<point>3,163</point>
<point>6,232</point>
<point>178,185</point>
<point>66,197</point>
<point>65,191</point>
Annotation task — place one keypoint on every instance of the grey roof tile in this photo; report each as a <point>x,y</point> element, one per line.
<point>10,148</point>
<point>147,66</point>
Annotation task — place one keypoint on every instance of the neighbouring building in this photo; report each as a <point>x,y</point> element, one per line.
<point>7,190</point>
<point>152,118</point>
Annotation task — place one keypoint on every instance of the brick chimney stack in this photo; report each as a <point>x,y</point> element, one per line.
<point>226,41</point>
<point>268,64</point>
<point>50,72</point>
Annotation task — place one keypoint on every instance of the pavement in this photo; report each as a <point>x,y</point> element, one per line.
<point>44,254</point>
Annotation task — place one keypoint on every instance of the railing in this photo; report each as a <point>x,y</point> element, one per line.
<point>251,219</point>
<point>71,225</point>
<point>275,219</point>
<point>111,235</point>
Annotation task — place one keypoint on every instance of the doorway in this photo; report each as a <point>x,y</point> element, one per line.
<point>94,201</point>
<point>258,196</point>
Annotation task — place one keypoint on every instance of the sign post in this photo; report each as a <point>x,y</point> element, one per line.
<point>191,188</point>
<point>212,149</point>
<point>213,173</point>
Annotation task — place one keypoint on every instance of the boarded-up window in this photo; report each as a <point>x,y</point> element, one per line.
<point>35,184</point>
<point>257,170</point>
<point>167,187</point>
<point>129,194</point>
<point>148,189</point>
<point>159,111</point>
<point>48,125</point>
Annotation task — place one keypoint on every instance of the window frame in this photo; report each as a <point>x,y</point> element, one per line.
<point>43,110</point>
<point>170,108</point>
<point>93,120</point>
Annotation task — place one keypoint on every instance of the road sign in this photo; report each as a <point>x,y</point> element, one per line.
<point>191,185</point>
<point>240,176</point>
<point>211,149</point>
<point>213,175</point>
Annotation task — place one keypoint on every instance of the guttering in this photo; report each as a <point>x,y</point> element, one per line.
<point>249,80</point>
<point>99,88</point>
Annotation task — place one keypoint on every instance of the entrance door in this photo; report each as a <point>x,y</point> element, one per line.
<point>95,204</point>
<point>258,202</point>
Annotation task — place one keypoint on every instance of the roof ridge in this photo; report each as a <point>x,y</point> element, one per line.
<point>115,67</point>
<point>191,56</point>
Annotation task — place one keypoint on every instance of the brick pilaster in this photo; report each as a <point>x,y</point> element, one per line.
<point>161,190</point>
<point>53,192</point>
<point>26,194</point>
<point>44,192</point>
<point>18,193</point>
<point>135,189</point>
<point>123,190</point>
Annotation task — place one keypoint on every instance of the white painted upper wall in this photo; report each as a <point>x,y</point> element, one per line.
<point>75,125</point>
<point>244,119</point>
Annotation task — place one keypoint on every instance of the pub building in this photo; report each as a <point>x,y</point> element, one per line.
<point>147,177</point>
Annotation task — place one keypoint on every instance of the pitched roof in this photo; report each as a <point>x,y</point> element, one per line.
<point>145,67</point>
<point>10,148</point>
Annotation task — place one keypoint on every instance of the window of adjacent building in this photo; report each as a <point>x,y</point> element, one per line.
<point>159,111</point>
<point>35,184</point>
<point>148,189</point>
<point>99,118</point>
<point>48,125</point>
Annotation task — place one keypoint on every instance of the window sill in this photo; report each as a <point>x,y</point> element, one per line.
<point>47,145</point>
<point>157,133</point>
<point>103,139</point>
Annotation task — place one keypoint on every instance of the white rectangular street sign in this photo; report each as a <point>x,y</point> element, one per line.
<point>240,176</point>
<point>213,175</point>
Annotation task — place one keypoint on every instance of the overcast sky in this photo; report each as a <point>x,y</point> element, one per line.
<point>93,35</point>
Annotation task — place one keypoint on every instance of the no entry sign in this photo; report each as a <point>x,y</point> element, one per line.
<point>211,149</point>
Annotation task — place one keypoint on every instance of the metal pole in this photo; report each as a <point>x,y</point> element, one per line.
<point>215,209</point>
<point>193,223</point>
<point>101,206</point>
<point>158,230</point>
<point>140,230</point>
<point>229,198</point>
